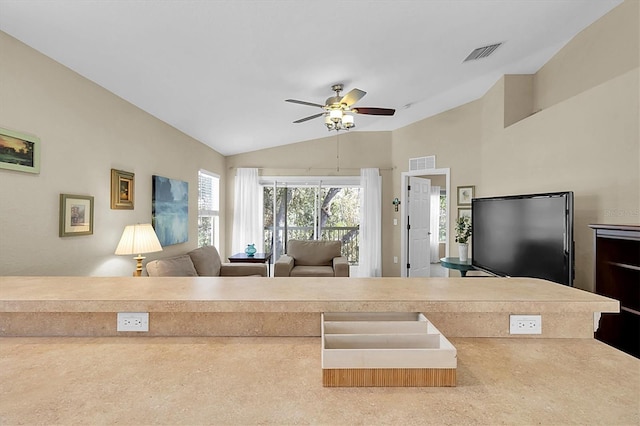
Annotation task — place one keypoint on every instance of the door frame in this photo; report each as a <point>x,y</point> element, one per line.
<point>404,182</point>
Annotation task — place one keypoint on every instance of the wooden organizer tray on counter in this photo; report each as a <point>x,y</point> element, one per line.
<point>385,349</point>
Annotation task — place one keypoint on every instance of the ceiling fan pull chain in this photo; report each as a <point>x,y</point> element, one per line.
<point>338,152</point>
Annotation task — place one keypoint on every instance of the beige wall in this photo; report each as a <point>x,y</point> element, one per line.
<point>454,138</point>
<point>603,51</point>
<point>85,131</point>
<point>583,137</point>
<point>518,98</point>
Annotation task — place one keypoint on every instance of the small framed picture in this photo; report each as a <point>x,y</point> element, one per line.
<point>122,190</point>
<point>19,151</point>
<point>465,194</point>
<point>76,215</point>
<point>464,212</point>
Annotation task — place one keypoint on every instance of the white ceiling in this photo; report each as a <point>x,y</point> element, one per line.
<point>220,70</point>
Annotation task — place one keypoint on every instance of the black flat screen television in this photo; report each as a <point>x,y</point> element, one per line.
<point>524,236</point>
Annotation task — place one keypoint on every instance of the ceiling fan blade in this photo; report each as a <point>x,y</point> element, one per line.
<point>304,103</point>
<point>374,111</point>
<point>311,117</point>
<point>352,97</point>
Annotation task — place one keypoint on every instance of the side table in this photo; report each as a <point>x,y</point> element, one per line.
<point>455,263</point>
<point>256,258</point>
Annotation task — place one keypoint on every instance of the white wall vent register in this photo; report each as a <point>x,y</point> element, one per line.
<point>422,163</point>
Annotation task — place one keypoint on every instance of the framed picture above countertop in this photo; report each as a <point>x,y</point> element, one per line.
<point>19,151</point>
<point>76,215</point>
<point>465,194</point>
<point>170,210</point>
<point>122,190</point>
<point>464,212</point>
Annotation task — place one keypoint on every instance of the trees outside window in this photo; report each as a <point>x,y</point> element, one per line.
<point>442,225</point>
<point>208,209</point>
<point>312,212</point>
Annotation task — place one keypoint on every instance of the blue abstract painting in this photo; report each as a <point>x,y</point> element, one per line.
<point>170,210</point>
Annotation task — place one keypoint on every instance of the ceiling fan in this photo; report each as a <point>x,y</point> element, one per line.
<point>338,110</point>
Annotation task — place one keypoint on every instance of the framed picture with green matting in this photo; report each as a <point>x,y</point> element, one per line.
<point>76,215</point>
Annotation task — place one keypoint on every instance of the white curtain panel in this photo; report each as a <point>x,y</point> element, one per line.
<point>435,224</point>
<point>247,211</point>
<point>370,223</point>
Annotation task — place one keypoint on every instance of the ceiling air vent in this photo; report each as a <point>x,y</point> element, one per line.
<point>482,52</point>
<point>422,163</point>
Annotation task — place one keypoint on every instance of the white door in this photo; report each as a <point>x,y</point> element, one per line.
<point>419,224</point>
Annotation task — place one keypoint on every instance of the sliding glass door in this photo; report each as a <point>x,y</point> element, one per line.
<point>340,218</point>
<point>311,209</point>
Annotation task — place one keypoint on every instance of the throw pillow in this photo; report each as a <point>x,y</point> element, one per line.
<point>206,260</point>
<point>180,266</point>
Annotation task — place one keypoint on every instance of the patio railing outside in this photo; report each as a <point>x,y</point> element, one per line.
<point>349,235</point>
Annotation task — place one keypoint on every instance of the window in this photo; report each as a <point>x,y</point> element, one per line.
<point>443,218</point>
<point>208,209</point>
<point>312,209</point>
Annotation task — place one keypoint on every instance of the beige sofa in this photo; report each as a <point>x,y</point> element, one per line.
<point>203,262</point>
<point>312,259</point>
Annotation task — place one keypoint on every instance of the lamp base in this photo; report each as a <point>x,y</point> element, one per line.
<point>138,272</point>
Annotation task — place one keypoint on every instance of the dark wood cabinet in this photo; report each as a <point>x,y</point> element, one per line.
<point>617,275</point>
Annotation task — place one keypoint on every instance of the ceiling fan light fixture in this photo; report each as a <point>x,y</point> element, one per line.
<point>329,123</point>
<point>338,110</point>
<point>348,121</point>
<point>336,115</point>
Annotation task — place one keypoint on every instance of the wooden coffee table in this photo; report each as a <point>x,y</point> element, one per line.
<point>256,258</point>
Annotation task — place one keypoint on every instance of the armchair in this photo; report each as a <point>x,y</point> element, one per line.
<point>312,259</point>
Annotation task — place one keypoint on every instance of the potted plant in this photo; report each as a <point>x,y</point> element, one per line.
<point>463,234</point>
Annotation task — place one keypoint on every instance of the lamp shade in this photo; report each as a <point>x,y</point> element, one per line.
<point>336,115</point>
<point>138,239</point>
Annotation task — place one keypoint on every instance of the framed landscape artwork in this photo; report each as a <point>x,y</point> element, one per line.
<point>170,210</point>
<point>76,215</point>
<point>19,151</point>
<point>122,190</point>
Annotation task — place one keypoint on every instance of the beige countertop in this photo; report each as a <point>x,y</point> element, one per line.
<point>252,294</point>
<point>277,380</point>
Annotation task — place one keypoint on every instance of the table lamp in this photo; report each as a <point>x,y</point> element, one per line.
<point>138,239</point>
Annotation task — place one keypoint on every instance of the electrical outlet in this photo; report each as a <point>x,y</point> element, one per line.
<point>395,259</point>
<point>525,324</point>
<point>133,321</point>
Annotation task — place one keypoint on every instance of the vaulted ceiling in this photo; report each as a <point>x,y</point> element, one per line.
<point>220,70</point>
